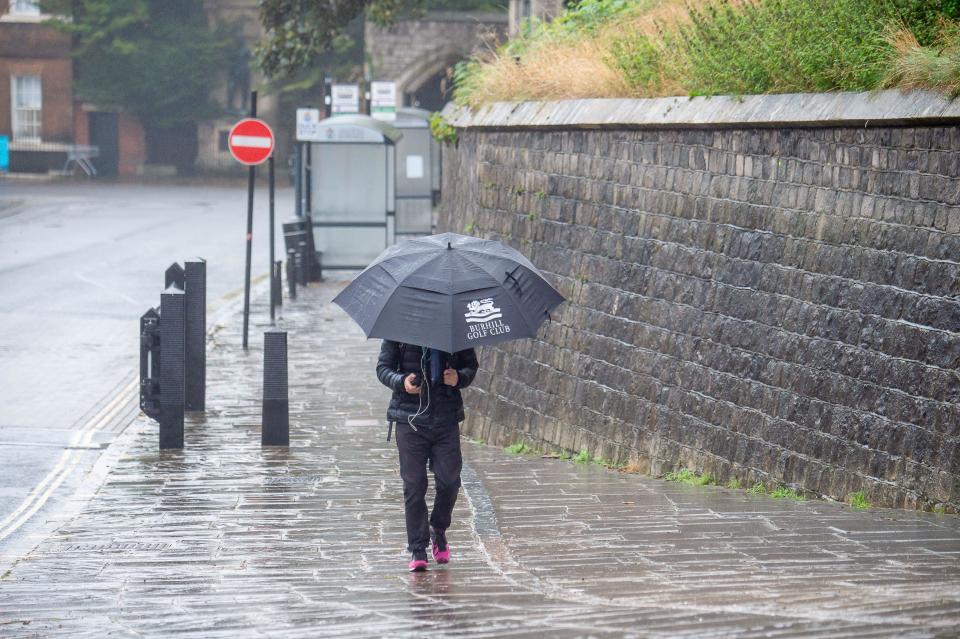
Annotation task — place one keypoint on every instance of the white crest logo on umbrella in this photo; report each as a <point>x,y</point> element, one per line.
<point>482,311</point>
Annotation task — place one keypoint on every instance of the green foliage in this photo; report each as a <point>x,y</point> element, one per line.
<point>733,482</point>
<point>582,458</point>
<point>298,32</point>
<point>782,492</point>
<point>776,46</point>
<point>859,500</point>
<point>565,454</point>
<point>518,448</point>
<point>578,20</point>
<point>157,59</point>
<point>442,130</point>
<point>754,46</point>
<point>758,489</point>
<point>468,227</point>
<point>687,476</point>
<point>936,66</point>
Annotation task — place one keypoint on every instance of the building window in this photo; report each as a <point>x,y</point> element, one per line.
<point>25,96</point>
<point>224,145</point>
<point>24,7</point>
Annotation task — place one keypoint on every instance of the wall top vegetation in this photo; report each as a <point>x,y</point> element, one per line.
<point>877,108</point>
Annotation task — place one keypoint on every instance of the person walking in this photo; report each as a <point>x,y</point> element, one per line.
<point>427,409</point>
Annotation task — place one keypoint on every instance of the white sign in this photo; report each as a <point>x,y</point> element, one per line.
<point>345,99</point>
<point>307,125</point>
<point>383,100</point>
<point>414,166</point>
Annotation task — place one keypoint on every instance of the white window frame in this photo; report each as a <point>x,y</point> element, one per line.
<point>17,127</point>
<point>24,7</point>
<point>23,11</point>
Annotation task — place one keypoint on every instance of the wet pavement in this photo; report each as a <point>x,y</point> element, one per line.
<point>227,539</point>
<point>81,261</point>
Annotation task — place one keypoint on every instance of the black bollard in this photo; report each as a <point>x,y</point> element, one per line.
<point>303,263</point>
<point>275,427</point>
<point>174,275</point>
<point>195,279</point>
<point>291,273</point>
<point>172,360</point>
<point>150,363</point>
<point>278,283</point>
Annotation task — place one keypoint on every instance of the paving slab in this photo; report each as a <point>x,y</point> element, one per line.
<point>229,539</point>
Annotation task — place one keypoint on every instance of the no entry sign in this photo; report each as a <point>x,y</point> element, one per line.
<point>251,141</point>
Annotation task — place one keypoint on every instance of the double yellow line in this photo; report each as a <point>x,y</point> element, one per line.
<point>78,442</point>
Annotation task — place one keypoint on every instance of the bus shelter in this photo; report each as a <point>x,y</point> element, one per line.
<point>418,173</point>
<point>353,185</point>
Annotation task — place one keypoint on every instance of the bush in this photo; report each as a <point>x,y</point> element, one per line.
<point>607,48</point>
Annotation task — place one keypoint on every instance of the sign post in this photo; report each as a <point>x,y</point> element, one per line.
<point>273,283</point>
<point>251,143</point>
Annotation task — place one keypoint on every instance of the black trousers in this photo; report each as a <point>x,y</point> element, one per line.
<point>438,446</point>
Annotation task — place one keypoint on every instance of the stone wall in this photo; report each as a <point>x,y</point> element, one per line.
<point>776,303</point>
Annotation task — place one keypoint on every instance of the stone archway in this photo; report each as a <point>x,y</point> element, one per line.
<point>427,69</point>
<point>414,52</point>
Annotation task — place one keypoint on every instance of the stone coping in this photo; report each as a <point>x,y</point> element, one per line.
<point>889,107</point>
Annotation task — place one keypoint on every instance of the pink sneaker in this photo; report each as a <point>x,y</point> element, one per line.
<point>441,551</point>
<point>418,561</point>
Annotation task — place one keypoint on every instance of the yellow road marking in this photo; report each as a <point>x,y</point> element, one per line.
<point>42,492</point>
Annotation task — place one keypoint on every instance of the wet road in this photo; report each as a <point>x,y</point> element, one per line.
<point>79,264</point>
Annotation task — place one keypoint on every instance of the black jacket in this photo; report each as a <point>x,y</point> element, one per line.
<point>446,406</point>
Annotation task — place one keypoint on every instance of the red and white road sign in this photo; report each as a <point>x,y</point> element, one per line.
<point>250,141</point>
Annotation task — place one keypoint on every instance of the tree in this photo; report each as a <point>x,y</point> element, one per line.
<point>298,31</point>
<point>156,59</point>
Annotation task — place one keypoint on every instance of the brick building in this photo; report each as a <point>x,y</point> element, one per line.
<point>46,127</point>
<point>36,85</point>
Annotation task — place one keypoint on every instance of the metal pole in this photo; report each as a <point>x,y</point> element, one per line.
<point>246,283</point>
<point>308,178</point>
<point>298,180</point>
<point>278,280</point>
<point>273,296</point>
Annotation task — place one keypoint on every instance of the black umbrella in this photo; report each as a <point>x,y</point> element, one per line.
<point>449,292</point>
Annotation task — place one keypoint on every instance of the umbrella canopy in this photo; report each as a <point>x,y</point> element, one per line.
<point>450,292</point>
